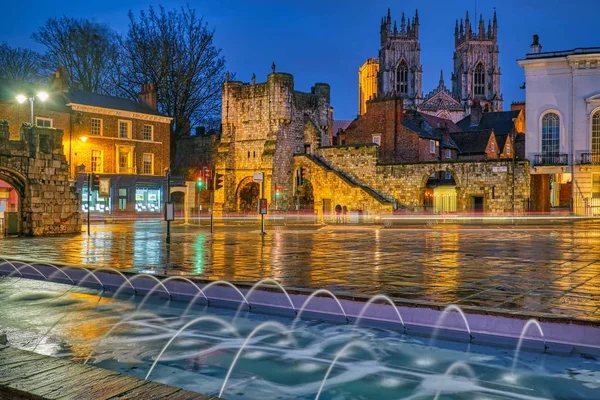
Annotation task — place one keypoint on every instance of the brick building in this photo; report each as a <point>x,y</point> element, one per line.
<point>123,141</point>
<point>401,137</point>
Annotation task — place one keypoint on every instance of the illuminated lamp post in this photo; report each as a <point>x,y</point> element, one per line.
<point>43,96</point>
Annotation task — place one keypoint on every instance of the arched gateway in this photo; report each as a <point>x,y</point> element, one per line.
<point>36,197</point>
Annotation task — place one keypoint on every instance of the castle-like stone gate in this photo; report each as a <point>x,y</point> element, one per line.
<point>37,170</point>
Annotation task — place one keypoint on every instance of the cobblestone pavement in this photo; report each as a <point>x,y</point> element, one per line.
<point>525,269</point>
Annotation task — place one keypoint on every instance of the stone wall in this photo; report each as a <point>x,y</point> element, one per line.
<point>194,152</point>
<point>37,168</point>
<point>405,183</point>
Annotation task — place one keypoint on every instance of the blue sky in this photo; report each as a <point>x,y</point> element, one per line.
<point>327,40</point>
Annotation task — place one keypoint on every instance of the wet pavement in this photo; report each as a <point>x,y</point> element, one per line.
<point>534,270</point>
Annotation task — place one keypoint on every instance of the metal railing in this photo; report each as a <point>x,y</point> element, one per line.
<point>126,170</point>
<point>588,206</point>
<point>551,159</point>
<point>590,158</point>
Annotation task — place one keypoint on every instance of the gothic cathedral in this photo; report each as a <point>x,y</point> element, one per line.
<point>476,75</point>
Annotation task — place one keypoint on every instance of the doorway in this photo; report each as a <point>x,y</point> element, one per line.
<point>477,204</point>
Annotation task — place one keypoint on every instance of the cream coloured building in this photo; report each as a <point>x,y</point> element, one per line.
<point>367,83</point>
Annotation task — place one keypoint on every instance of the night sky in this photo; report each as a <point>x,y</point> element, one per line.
<point>327,40</point>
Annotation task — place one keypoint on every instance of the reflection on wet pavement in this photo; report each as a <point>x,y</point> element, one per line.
<point>534,270</point>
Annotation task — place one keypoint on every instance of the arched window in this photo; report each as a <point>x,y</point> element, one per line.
<point>402,78</point>
<point>479,80</point>
<point>550,134</point>
<point>596,133</point>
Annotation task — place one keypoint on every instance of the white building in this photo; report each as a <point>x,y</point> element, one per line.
<point>563,127</point>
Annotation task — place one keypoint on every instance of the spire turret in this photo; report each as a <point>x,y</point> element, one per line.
<point>495,27</point>
<point>481,27</point>
<point>402,25</point>
<point>441,84</point>
<point>467,26</point>
<point>395,29</point>
<point>489,30</point>
<point>415,26</point>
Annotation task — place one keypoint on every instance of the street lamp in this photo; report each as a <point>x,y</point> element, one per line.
<point>43,96</point>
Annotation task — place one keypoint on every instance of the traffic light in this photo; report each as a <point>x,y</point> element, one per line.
<point>218,181</point>
<point>95,182</point>
<point>303,178</point>
<point>199,184</point>
<point>277,191</point>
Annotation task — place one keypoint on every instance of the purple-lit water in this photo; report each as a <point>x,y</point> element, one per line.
<point>72,322</point>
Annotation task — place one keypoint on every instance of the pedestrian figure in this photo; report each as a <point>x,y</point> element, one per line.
<point>338,213</point>
<point>345,212</point>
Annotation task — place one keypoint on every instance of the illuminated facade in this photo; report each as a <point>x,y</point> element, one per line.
<point>367,83</point>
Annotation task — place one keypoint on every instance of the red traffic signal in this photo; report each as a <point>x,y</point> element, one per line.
<point>95,182</point>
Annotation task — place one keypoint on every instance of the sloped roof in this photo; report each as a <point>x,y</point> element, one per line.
<point>472,142</point>
<point>437,121</point>
<point>340,124</point>
<point>410,124</point>
<point>501,122</point>
<point>111,102</point>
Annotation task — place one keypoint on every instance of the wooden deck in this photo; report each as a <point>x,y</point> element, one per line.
<point>27,375</point>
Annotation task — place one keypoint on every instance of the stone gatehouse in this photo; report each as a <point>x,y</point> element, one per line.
<point>34,173</point>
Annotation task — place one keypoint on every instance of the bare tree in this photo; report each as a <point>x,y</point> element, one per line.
<point>175,51</point>
<point>87,49</point>
<point>20,64</point>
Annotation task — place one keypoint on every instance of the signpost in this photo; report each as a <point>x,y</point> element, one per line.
<point>169,208</point>
<point>262,202</point>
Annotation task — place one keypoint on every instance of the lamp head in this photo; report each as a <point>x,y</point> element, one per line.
<point>83,139</point>
<point>43,96</point>
<point>21,99</point>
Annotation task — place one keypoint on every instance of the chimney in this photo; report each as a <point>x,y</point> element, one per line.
<point>148,96</point>
<point>536,47</point>
<point>476,113</point>
<point>59,81</point>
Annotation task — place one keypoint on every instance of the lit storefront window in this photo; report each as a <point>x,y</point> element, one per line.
<point>148,199</point>
<point>98,204</point>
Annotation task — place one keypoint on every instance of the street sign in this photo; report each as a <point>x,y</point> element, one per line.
<point>262,206</point>
<point>169,211</point>
<point>500,169</point>
<point>258,177</point>
<point>177,180</point>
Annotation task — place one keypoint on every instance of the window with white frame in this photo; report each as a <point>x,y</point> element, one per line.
<point>125,129</point>
<point>377,140</point>
<point>448,153</point>
<point>96,127</point>
<point>43,122</point>
<point>432,146</point>
<point>97,161</point>
<point>596,133</point>
<point>508,148</point>
<point>493,147</point>
<point>550,133</point>
<point>148,164</point>
<point>149,132</point>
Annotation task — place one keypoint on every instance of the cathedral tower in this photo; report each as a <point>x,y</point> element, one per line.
<point>476,72</point>
<point>400,60</point>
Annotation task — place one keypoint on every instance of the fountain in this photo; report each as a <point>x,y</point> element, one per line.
<point>455,366</point>
<point>312,295</point>
<point>374,299</point>
<point>442,317</point>
<point>221,282</point>
<point>342,352</point>
<point>528,324</point>
<point>264,325</point>
<point>262,283</point>
<point>137,276</point>
<point>181,278</point>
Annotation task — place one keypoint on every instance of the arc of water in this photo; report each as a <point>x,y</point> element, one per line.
<point>442,317</point>
<point>183,328</point>
<point>371,301</point>
<point>264,325</point>
<point>528,324</point>
<point>12,265</point>
<point>137,276</point>
<point>222,282</point>
<point>26,265</point>
<point>455,366</point>
<point>88,273</point>
<point>192,301</point>
<point>312,295</point>
<point>167,280</point>
<point>357,343</point>
<point>263,282</point>
<point>57,271</point>
<point>116,271</point>
<point>124,320</point>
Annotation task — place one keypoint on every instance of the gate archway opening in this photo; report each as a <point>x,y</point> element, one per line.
<point>248,194</point>
<point>11,204</point>
<point>440,192</point>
